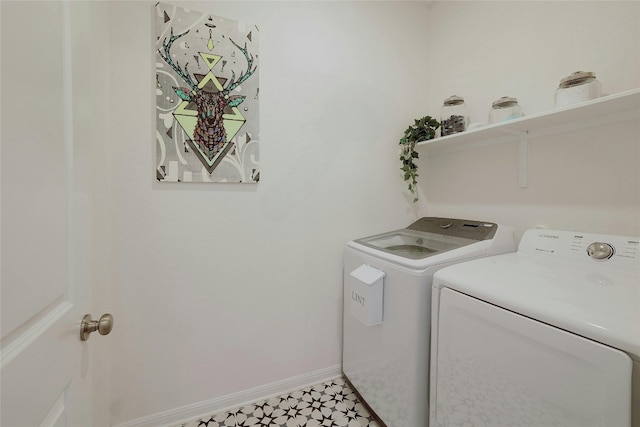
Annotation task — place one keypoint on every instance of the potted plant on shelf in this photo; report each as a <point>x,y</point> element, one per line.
<point>423,130</point>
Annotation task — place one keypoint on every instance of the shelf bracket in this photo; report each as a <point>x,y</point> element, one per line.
<point>523,156</point>
<point>523,160</point>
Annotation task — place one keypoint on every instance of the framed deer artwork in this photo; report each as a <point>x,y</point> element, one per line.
<point>207,90</point>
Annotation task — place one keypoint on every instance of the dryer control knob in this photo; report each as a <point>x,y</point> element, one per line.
<point>599,250</point>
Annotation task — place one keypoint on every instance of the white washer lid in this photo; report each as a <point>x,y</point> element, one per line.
<point>590,298</point>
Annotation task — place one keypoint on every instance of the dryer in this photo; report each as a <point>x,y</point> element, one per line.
<point>387,300</point>
<point>546,336</point>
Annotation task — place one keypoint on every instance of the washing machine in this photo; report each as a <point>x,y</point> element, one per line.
<point>545,336</point>
<point>387,303</point>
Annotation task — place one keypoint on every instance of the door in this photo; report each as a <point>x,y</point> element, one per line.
<point>496,368</point>
<point>46,250</point>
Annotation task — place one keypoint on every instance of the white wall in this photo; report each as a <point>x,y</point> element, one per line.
<point>483,50</point>
<point>586,180</point>
<point>221,288</point>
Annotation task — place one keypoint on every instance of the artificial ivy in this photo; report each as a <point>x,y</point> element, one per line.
<point>423,130</point>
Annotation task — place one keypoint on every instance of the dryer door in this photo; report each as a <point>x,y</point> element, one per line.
<point>497,368</point>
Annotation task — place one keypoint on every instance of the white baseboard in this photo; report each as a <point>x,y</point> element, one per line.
<point>176,417</point>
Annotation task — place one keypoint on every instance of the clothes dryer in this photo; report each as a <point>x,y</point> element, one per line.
<point>387,300</point>
<point>546,336</point>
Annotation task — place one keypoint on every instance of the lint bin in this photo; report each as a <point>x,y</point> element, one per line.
<point>366,294</point>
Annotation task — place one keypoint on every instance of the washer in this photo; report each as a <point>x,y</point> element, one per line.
<point>387,300</point>
<point>546,336</point>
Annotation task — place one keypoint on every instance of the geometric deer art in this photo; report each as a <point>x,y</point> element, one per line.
<point>209,133</point>
<point>206,114</point>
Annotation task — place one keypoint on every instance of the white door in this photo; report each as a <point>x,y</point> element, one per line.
<point>46,254</point>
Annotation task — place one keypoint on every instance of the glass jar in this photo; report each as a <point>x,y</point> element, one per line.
<point>454,116</point>
<point>505,108</point>
<point>578,87</point>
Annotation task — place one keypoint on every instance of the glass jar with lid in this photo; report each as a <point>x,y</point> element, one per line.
<point>505,108</point>
<point>454,116</point>
<point>577,87</point>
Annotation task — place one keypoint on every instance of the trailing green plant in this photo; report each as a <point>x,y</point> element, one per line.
<point>423,130</point>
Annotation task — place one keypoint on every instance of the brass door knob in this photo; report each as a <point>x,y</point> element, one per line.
<point>103,326</point>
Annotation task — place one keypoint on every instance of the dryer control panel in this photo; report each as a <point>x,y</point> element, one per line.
<point>589,247</point>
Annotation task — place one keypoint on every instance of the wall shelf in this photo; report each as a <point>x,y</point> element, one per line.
<point>620,106</point>
<point>609,109</point>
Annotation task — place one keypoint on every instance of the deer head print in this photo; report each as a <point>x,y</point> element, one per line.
<point>209,96</point>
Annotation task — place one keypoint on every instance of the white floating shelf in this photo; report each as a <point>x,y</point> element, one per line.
<point>608,109</point>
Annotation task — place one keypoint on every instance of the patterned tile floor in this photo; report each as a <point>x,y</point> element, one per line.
<point>329,404</point>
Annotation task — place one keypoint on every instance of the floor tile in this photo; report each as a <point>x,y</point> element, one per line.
<point>329,404</point>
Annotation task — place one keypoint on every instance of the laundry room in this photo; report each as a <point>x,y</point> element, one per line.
<point>228,293</point>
